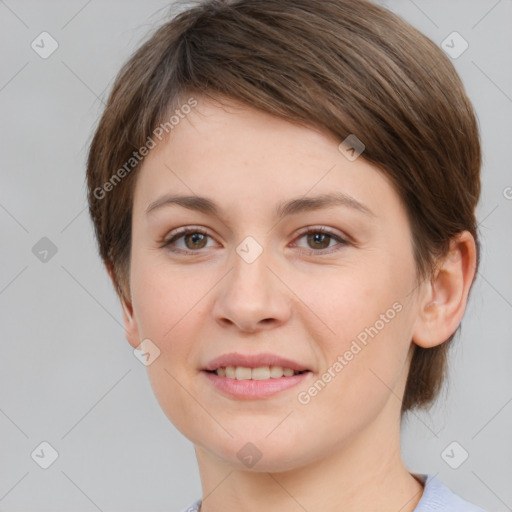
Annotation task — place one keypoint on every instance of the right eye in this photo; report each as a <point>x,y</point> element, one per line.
<point>193,238</point>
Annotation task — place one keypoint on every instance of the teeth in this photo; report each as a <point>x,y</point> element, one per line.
<point>260,373</point>
<point>242,373</point>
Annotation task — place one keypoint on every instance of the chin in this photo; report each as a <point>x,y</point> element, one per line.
<point>260,453</point>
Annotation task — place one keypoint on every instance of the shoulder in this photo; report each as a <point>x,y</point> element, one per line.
<point>193,508</point>
<point>438,497</point>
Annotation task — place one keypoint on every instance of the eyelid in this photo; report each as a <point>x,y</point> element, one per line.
<point>184,230</point>
<point>312,228</point>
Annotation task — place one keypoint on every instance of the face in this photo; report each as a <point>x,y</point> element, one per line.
<point>276,271</point>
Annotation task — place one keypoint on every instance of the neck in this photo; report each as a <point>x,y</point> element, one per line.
<point>366,473</point>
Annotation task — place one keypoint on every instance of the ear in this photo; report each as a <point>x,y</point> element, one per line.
<point>443,301</point>
<point>131,329</point>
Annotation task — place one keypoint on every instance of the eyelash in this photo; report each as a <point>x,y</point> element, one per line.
<point>191,230</point>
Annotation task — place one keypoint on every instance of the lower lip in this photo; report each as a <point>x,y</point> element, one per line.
<point>254,389</point>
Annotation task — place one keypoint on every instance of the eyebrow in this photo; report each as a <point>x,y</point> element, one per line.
<point>290,207</point>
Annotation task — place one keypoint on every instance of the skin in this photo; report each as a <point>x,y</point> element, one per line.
<point>298,299</point>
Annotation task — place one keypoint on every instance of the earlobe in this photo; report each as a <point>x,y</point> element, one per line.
<point>130,323</point>
<point>129,320</point>
<point>442,306</point>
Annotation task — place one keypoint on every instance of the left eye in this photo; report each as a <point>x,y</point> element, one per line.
<point>320,239</point>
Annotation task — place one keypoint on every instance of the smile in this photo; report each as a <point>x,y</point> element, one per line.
<point>260,373</point>
<point>250,388</point>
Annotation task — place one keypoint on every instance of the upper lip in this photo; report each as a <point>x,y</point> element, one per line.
<point>253,361</point>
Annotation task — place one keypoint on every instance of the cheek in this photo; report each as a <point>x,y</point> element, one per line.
<point>348,300</point>
<point>163,297</point>
<point>167,306</point>
<point>364,327</point>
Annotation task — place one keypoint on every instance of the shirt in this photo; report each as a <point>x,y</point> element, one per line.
<point>436,497</point>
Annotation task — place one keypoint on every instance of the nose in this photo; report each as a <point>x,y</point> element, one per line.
<point>252,297</point>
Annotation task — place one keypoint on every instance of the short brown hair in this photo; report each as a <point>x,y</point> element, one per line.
<point>346,66</point>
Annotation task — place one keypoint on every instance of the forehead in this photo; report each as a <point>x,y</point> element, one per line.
<point>235,153</point>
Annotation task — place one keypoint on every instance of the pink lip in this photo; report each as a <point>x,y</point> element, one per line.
<point>253,361</point>
<point>253,389</point>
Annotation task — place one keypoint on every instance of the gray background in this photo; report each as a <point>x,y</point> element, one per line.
<point>67,374</point>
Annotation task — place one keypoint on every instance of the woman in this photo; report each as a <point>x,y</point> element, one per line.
<point>284,196</point>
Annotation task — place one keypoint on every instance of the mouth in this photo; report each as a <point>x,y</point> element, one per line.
<point>254,376</point>
<point>258,373</point>
<point>243,383</point>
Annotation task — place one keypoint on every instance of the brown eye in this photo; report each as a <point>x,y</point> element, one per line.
<point>195,240</point>
<point>188,240</point>
<point>318,240</point>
